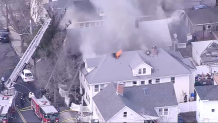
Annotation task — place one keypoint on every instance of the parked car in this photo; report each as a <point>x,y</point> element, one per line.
<point>27,76</point>
<point>200,7</point>
<point>4,36</point>
<point>180,119</point>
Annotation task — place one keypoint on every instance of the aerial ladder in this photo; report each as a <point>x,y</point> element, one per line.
<point>27,55</point>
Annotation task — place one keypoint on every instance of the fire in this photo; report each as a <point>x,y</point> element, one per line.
<point>118,53</point>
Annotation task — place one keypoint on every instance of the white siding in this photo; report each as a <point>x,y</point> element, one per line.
<point>141,66</point>
<point>182,85</point>
<point>207,111</point>
<point>172,114</point>
<point>131,116</point>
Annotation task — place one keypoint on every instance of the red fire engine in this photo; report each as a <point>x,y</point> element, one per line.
<point>44,110</point>
<point>7,104</point>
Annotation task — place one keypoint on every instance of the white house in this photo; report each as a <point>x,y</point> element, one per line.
<point>153,102</point>
<point>135,68</point>
<point>207,101</point>
<point>205,53</point>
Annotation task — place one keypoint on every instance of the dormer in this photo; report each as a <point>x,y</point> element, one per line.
<point>92,63</point>
<point>140,67</point>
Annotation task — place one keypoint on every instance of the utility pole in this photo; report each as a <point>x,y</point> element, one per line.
<point>31,30</point>
<point>6,10</point>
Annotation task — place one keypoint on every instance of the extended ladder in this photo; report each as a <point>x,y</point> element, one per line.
<point>28,53</point>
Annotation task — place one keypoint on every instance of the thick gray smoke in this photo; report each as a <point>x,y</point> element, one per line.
<point>118,30</point>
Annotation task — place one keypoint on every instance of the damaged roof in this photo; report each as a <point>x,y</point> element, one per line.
<point>207,92</point>
<point>109,103</point>
<point>209,55</point>
<point>203,16</point>
<point>111,69</point>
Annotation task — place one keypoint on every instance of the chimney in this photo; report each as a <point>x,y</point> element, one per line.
<point>154,50</point>
<point>118,54</point>
<point>120,88</point>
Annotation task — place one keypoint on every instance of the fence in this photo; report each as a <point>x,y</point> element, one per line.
<point>187,107</point>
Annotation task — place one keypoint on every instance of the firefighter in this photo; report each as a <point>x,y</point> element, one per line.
<point>3,83</point>
<point>30,95</point>
<point>21,101</point>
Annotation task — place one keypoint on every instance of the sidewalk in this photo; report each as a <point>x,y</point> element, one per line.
<point>15,42</point>
<point>67,116</point>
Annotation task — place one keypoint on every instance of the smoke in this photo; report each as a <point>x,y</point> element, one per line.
<point>118,30</point>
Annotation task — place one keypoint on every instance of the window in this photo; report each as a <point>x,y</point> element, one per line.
<point>157,80</point>
<point>173,79</point>
<point>160,111</point>
<point>87,24</point>
<point>96,88</point>
<point>101,87</point>
<point>124,114</point>
<point>142,82</point>
<point>144,70</point>
<point>213,110</point>
<point>165,111</point>
<point>140,71</point>
<point>150,81</point>
<point>134,82</point>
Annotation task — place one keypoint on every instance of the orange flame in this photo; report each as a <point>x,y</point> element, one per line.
<point>119,53</point>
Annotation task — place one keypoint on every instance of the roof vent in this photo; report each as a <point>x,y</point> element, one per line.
<point>148,52</point>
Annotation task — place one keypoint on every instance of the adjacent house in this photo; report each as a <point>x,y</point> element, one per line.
<point>207,101</point>
<point>201,22</point>
<point>151,103</point>
<point>135,68</point>
<point>205,53</point>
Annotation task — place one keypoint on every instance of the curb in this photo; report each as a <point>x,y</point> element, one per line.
<point>17,52</point>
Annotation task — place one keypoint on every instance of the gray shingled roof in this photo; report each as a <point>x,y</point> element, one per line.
<point>207,92</point>
<point>203,16</point>
<point>137,60</point>
<point>113,70</point>
<point>93,62</point>
<point>109,103</point>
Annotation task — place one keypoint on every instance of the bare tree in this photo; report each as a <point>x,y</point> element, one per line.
<point>17,15</point>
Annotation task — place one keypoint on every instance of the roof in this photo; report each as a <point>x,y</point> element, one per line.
<point>203,16</point>
<point>49,109</point>
<point>26,71</point>
<point>210,53</point>
<point>136,60</point>
<point>207,92</point>
<point>200,46</point>
<point>109,103</point>
<point>156,27</point>
<point>111,69</point>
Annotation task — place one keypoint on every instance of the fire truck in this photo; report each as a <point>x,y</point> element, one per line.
<point>44,110</point>
<point>7,104</point>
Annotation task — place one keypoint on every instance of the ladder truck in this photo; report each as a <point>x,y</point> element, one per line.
<point>44,110</point>
<point>27,55</point>
<point>8,94</point>
<point>7,105</point>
